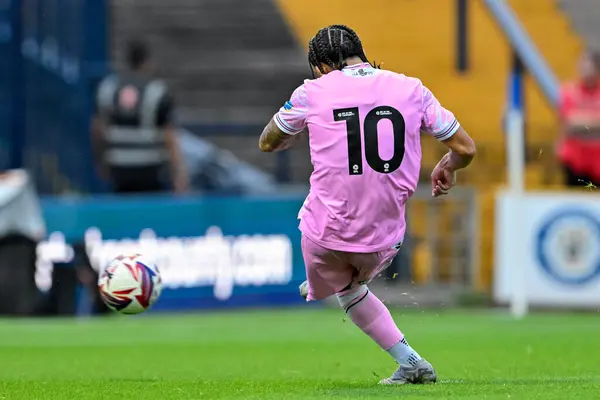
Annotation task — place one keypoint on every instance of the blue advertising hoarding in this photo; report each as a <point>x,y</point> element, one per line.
<point>212,252</point>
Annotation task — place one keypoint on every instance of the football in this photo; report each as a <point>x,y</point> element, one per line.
<point>130,284</point>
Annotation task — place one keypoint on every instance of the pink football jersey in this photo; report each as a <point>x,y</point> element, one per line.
<point>364,128</point>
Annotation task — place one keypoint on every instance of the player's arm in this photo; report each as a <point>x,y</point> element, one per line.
<point>274,139</point>
<point>443,125</point>
<point>285,126</point>
<point>97,129</point>
<point>166,121</point>
<point>462,149</point>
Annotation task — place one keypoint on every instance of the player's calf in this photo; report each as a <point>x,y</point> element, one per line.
<point>374,319</point>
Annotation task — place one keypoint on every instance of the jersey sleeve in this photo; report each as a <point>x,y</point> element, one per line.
<point>291,117</point>
<point>437,121</point>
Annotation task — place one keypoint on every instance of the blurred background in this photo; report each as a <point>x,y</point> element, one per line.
<point>133,125</point>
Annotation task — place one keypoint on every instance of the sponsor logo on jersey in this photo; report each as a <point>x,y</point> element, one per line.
<point>363,72</point>
<point>288,106</point>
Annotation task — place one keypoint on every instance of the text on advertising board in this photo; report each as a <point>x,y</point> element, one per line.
<point>209,260</point>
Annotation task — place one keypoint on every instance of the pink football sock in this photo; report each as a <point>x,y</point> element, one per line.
<point>371,316</point>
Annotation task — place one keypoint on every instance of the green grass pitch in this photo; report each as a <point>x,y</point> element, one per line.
<point>296,354</point>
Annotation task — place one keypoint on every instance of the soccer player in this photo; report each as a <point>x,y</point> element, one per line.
<point>364,128</point>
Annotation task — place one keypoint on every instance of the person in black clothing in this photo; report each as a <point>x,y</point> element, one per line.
<point>133,133</point>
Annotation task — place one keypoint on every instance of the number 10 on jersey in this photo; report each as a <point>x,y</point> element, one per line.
<point>370,135</point>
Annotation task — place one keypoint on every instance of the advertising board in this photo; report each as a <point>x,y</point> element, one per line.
<point>212,252</point>
<point>553,247</point>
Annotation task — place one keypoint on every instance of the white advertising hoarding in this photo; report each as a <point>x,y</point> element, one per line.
<point>553,246</point>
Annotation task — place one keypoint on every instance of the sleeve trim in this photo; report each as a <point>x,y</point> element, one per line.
<point>284,127</point>
<point>448,132</point>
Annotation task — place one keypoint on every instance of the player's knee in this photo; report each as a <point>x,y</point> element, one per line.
<point>352,295</point>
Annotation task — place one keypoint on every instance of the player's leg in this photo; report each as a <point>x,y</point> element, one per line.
<point>327,272</point>
<point>330,272</point>
<point>373,318</point>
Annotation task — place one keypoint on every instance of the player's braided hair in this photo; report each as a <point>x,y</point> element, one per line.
<point>334,44</point>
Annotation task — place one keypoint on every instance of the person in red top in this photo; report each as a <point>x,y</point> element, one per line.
<point>579,145</point>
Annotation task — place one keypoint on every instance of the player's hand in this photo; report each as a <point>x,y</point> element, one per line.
<point>443,177</point>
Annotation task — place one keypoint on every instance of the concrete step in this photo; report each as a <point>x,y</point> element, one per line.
<point>216,55</point>
<point>584,16</point>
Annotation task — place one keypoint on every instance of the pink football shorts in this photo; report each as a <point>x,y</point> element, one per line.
<point>329,272</point>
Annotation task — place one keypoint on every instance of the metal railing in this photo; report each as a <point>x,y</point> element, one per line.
<point>447,232</point>
<point>525,54</point>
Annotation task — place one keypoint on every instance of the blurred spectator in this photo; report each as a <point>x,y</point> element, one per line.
<point>579,146</point>
<point>133,132</point>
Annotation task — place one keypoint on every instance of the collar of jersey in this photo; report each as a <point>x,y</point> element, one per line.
<point>357,66</point>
